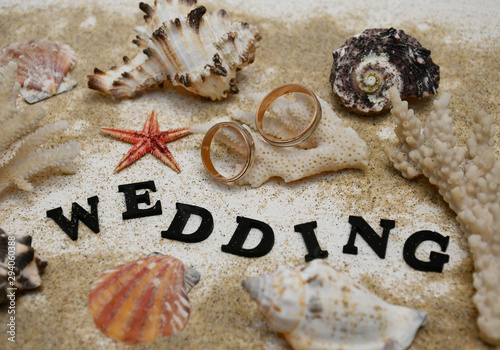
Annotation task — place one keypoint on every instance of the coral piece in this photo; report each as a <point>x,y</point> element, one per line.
<point>42,67</point>
<point>25,267</point>
<point>185,45</point>
<point>468,178</point>
<point>20,160</point>
<point>138,301</point>
<point>149,140</point>
<point>370,63</point>
<point>317,307</point>
<point>330,147</point>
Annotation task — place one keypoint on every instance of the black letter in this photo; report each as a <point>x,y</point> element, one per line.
<point>312,245</point>
<point>132,199</point>
<point>181,218</point>
<point>235,245</point>
<point>436,260</point>
<point>77,213</point>
<point>377,243</point>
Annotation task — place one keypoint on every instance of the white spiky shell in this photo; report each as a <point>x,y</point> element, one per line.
<point>185,45</point>
<point>42,67</point>
<point>317,307</point>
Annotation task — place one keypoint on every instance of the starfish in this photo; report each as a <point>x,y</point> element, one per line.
<point>149,140</point>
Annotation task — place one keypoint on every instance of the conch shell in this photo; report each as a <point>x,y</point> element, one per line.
<point>185,45</point>
<point>26,266</point>
<point>317,307</point>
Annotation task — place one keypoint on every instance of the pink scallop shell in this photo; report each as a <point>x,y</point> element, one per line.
<point>140,300</point>
<point>42,67</point>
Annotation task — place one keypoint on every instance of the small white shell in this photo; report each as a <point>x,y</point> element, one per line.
<point>317,307</point>
<point>42,67</point>
<point>186,46</point>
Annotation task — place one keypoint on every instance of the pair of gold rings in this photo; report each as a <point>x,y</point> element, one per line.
<point>247,137</point>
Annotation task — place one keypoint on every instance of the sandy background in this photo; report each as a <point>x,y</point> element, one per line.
<point>298,40</point>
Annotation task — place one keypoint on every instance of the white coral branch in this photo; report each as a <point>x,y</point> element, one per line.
<point>331,147</point>
<point>21,158</point>
<point>468,178</point>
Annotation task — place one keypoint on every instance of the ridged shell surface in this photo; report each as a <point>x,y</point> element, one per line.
<point>42,67</point>
<point>317,307</point>
<point>138,301</point>
<point>184,44</point>
<point>370,63</point>
<point>27,265</point>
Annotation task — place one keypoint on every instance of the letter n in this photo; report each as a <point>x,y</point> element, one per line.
<point>376,242</point>
<point>77,214</point>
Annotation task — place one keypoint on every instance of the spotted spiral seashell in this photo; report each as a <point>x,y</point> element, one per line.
<point>185,45</point>
<point>138,301</point>
<point>26,266</point>
<point>370,63</point>
<point>42,67</point>
<point>317,307</point>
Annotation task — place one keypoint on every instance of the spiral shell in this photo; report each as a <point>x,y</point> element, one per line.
<point>317,307</point>
<point>370,63</point>
<point>138,301</point>
<point>27,265</point>
<point>184,44</point>
<point>42,67</point>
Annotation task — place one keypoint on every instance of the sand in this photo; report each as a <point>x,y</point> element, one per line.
<point>297,44</point>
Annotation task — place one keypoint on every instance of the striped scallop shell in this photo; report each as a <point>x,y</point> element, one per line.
<point>42,67</point>
<point>185,45</point>
<point>138,301</point>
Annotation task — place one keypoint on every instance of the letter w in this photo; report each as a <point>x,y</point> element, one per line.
<point>77,214</point>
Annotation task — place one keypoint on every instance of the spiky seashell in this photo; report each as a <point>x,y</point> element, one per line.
<point>140,300</point>
<point>370,63</point>
<point>42,67</point>
<point>27,265</point>
<point>185,45</point>
<point>317,307</point>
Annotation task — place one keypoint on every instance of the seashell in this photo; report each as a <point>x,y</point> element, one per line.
<point>185,45</point>
<point>42,67</point>
<point>137,301</point>
<point>317,307</point>
<point>370,63</point>
<point>27,265</point>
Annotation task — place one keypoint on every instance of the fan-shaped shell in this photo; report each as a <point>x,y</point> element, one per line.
<point>317,307</point>
<point>370,63</point>
<point>140,300</point>
<point>42,67</point>
<point>185,45</point>
<point>27,265</point>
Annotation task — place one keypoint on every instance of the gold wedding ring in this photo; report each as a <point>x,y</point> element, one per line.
<point>247,137</point>
<point>270,98</point>
<point>207,160</point>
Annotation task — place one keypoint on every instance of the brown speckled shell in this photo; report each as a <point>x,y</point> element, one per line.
<point>27,265</point>
<point>395,58</point>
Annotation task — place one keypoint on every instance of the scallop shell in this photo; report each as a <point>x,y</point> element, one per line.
<point>140,300</point>
<point>317,307</point>
<point>27,265</point>
<point>370,63</point>
<point>185,45</point>
<point>42,67</point>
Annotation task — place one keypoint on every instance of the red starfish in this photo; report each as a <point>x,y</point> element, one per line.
<point>150,139</point>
